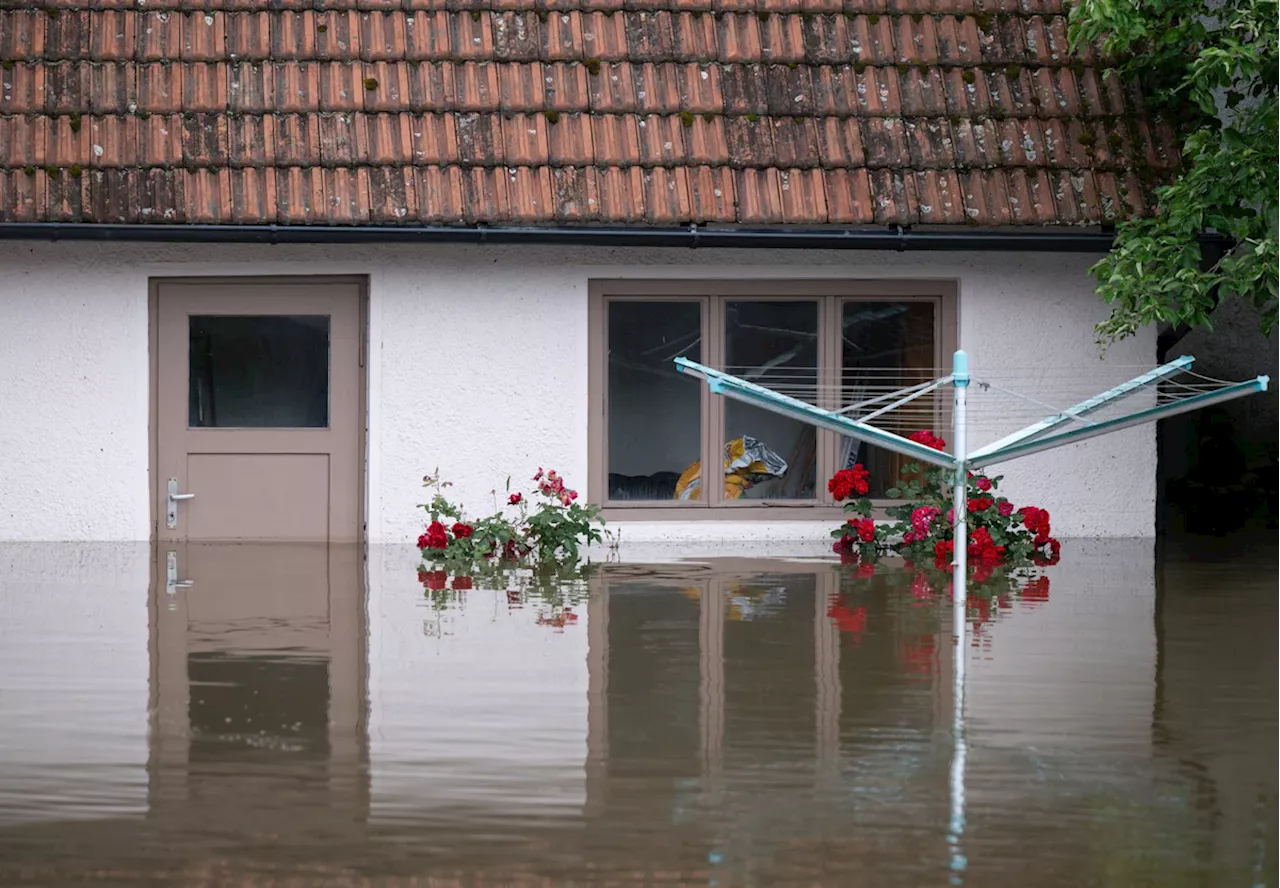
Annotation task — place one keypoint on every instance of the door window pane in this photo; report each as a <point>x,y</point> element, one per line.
<point>259,371</point>
<point>655,414</point>
<point>886,346</point>
<point>774,344</point>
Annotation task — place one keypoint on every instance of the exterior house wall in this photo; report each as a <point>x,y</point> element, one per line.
<point>478,366</point>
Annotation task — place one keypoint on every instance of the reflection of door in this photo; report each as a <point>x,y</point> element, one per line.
<point>259,679</point>
<point>258,410</point>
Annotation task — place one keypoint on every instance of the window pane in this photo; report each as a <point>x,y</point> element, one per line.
<point>887,345</point>
<point>774,344</point>
<point>655,415</point>
<point>259,371</point>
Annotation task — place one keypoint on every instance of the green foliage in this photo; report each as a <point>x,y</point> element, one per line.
<point>1213,70</point>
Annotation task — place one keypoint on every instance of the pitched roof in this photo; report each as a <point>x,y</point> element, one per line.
<point>630,112</point>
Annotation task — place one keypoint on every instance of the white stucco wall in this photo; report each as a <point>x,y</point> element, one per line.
<point>478,366</point>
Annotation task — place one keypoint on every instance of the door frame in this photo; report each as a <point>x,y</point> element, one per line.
<point>362,384</point>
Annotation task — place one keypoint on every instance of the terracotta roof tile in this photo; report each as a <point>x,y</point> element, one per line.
<point>253,195</point>
<point>521,87</point>
<point>744,89</point>
<point>604,37</point>
<point>576,194</point>
<point>569,140</point>
<point>439,193</point>
<point>636,112</point>
<point>562,36</point>
<point>159,140</point>
<point>480,139</point>
<point>750,141</point>
<point>26,138</point>
<point>517,36</point>
<point>705,140</point>
<point>759,197</point>
<point>485,195</point>
<point>204,87</point>
<point>23,35</point>
<point>159,36</point>
<point>849,200</point>
<point>712,194</point>
<point>566,87</point>
<point>393,196</point>
<point>666,196</point>
<point>613,89</point>
<point>525,140</point>
<point>208,196</point>
<point>616,139</point>
<point>251,140</point>
<point>297,139</point>
<point>895,197</point>
<point>477,87</point>
<point>622,195</point>
<point>804,197</point>
<point>249,35</point>
<point>694,37</point>
<point>382,36</point>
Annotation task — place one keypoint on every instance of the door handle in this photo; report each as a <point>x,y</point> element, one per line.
<point>171,504</point>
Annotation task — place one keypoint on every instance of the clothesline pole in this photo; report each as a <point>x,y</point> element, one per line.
<point>960,537</point>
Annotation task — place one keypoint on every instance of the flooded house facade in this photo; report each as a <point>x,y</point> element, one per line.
<point>262,267</point>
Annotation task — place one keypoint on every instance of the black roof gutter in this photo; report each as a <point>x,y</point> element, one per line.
<point>1057,240</point>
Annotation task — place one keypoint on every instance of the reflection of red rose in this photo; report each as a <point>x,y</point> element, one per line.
<point>1036,590</point>
<point>462,582</point>
<point>851,620</point>
<point>436,580</point>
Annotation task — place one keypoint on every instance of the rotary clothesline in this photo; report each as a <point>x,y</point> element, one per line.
<point>876,414</point>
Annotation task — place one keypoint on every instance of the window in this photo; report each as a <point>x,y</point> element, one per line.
<point>653,429</point>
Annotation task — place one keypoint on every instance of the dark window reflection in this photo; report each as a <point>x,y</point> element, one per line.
<point>259,371</point>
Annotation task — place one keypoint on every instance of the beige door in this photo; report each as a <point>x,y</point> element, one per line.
<point>258,411</point>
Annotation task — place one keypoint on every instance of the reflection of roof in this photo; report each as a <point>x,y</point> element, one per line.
<point>653,113</point>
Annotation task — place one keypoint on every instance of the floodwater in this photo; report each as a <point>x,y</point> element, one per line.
<point>301,716</point>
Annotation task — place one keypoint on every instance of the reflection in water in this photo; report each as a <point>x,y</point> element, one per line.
<point>323,713</point>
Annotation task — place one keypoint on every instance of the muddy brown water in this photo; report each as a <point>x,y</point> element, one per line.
<point>303,716</point>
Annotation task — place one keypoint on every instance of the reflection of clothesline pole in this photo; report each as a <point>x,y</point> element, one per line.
<point>955,828</point>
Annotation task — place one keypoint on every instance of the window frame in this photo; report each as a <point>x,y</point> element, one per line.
<point>712,295</point>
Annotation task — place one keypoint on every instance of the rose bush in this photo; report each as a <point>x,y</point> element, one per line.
<point>999,533</point>
<point>547,527</point>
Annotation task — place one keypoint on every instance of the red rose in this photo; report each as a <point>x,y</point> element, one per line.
<point>842,545</point>
<point>980,503</point>
<point>1005,508</point>
<point>434,538</point>
<point>462,531</point>
<point>515,498</point>
<point>928,439</point>
<point>983,483</point>
<point>943,552</point>
<point>865,528</point>
<point>849,481</point>
<point>1036,521</point>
